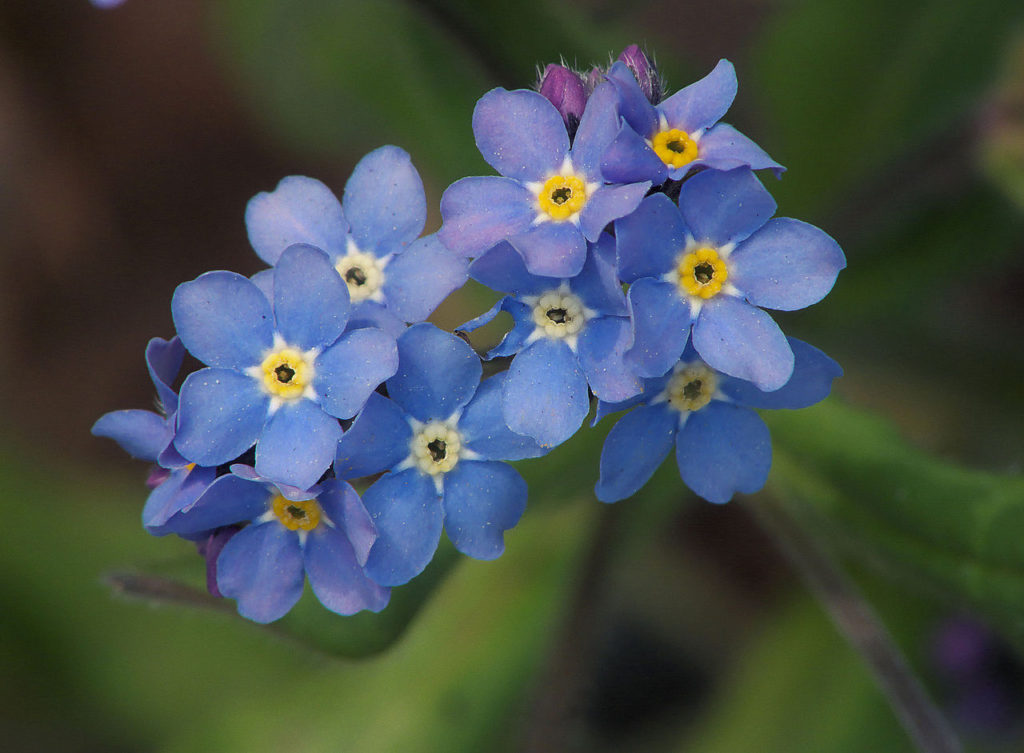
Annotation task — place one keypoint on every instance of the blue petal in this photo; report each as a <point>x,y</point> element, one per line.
<point>598,127</point>
<point>602,345</point>
<point>179,492</point>
<point>479,212</point>
<point>483,429</point>
<point>408,515</point>
<point>502,268</point>
<point>598,284</point>
<point>481,502</point>
<point>651,387</point>
<point>522,328</point>
<point>377,440</point>
<point>633,103</point>
<point>742,341</point>
<point>661,326</point>
<point>545,395</point>
<point>629,158</point>
<point>520,134</point>
<point>220,416</point>
<point>725,207</point>
<point>264,280</point>
<point>649,240</point>
<point>337,579</point>
<point>372,314</point>
<point>610,203</point>
<point>298,444</point>
<point>438,373</point>
<point>227,500</point>
<point>786,265</point>
<point>163,359</point>
<point>299,210</point>
<point>344,508</point>
<point>348,371</point>
<point>384,201</point>
<point>261,566</point>
<point>141,433</point>
<point>223,319</point>
<point>723,148</point>
<point>811,382</point>
<point>723,449</point>
<point>311,304</point>
<point>552,249</point>
<point>634,449</point>
<point>419,278</point>
<point>704,102</point>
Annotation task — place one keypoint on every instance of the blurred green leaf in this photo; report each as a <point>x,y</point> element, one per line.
<point>799,687</point>
<point>952,530</point>
<point>344,77</point>
<point>1002,142</point>
<point>856,86</point>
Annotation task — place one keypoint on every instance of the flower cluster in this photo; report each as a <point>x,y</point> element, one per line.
<point>636,251</point>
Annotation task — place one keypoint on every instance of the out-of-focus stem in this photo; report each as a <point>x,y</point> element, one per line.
<point>861,627</point>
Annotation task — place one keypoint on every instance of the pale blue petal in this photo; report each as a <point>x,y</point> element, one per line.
<point>223,319</point>
<point>338,580</point>
<point>649,240</point>
<point>633,450</point>
<point>408,515</point>
<point>602,346</point>
<point>437,373</point>
<point>661,326</point>
<point>786,265</point>
<point>502,268</point>
<point>419,278</point>
<point>378,440</point>
<point>545,395</point>
<point>299,210</point>
<point>552,249</point>
<point>141,433</point>
<point>298,444</point>
<point>742,341</point>
<point>609,203</point>
<point>704,102</point>
<point>483,429</point>
<point>225,501</point>
<point>178,493</point>
<point>598,284</point>
<point>725,207</point>
<point>262,568</point>
<point>482,500</point>
<point>520,133</point>
<point>348,371</point>
<point>163,359</point>
<point>384,201</point>
<point>311,305</point>
<point>633,103</point>
<point>723,449</point>
<point>723,148</point>
<point>598,128</point>
<point>343,506</point>
<point>482,211</point>
<point>220,416</point>
<point>813,373</point>
<point>629,158</point>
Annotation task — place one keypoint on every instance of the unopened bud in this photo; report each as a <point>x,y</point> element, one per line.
<point>645,72</point>
<point>564,89</point>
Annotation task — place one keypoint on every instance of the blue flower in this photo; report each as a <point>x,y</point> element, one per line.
<point>552,198</point>
<point>680,134</point>
<point>149,436</point>
<point>567,334</point>
<point>324,533</point>
<point>370,238</point>
<point>710,262</point>
<point>281,372</point>
<point>441,436</point>
<point>722,446</point>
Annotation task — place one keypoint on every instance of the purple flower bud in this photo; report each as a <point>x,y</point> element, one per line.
<point>645,72</point>
<point>210,548</point>
<point>595,77</point>
<point>564,89</point>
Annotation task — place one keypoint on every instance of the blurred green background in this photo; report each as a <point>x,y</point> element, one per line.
<point>130,141</point>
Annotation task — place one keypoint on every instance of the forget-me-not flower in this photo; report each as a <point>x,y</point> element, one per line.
<point>441,436</point>
<point>281,373</point>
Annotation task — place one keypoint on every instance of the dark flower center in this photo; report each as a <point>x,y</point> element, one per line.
<point>558,316</point>
<point>676,145</point>
<point>356,276</point>
<point>296,512</point>
<point>438,450</point>
<point>561,195</point>
<point>284,373</point>
<point>704,273</point>
<point>692,390</point>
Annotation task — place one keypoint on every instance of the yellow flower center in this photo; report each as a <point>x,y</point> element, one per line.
<point>436,448</point>
<point>362,273</point>
<point>560,314</point>
<point>562,196</point>
<point>675,147</point>
<point>702,273</point>
<point>297,516</point>
<point>286,373</point>
<point>691,388</point>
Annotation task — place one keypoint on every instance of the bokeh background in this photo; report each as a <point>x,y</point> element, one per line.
<point>130,141</point>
